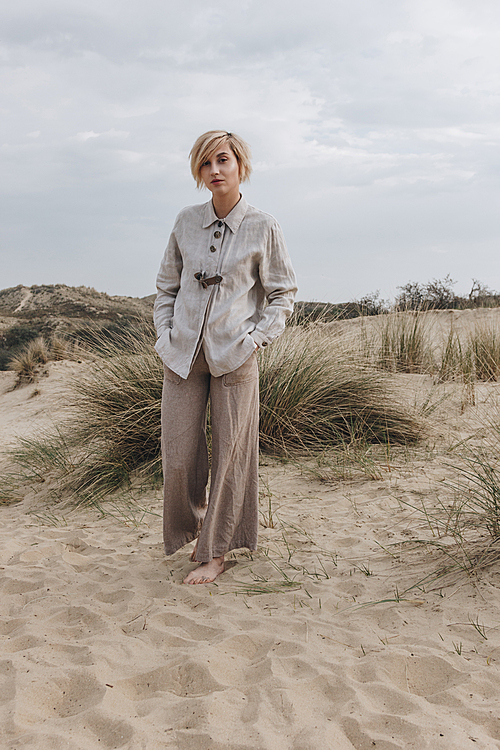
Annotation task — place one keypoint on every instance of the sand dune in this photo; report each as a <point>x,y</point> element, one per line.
<point>102,646</point>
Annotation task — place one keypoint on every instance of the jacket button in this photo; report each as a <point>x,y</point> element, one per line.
<point>217,235</point>
<point>212,248</point>
<point>219,223</point>
<point>264,343</point>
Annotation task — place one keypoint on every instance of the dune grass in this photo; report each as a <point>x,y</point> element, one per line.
<point>484,352</point>
<point>405,344</point>
<point>314,395</point>
<point>29,361</point>
<point>472,357</point>
<point>464,529</point>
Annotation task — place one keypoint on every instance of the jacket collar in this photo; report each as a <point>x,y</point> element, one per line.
<point>233,219</point>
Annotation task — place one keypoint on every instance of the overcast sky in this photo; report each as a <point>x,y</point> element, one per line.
<point>374,126</point>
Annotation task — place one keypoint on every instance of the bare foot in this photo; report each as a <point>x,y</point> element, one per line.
<point>206,572</point>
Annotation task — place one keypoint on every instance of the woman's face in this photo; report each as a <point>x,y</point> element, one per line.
<point>221,172</point>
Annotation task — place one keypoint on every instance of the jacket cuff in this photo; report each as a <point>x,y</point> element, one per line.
<point>260,338</point>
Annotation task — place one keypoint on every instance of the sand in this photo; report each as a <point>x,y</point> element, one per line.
<point>103,647</point>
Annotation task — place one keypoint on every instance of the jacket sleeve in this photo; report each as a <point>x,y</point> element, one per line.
<point>167,284</point>
<point>280,286</point>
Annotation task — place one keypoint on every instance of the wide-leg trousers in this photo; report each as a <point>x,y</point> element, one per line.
<point>228,518</point>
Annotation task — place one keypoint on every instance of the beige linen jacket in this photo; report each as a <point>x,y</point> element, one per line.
<point>249,306</point>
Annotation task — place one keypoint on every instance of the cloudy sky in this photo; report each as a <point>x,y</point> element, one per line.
<point>374,125</point>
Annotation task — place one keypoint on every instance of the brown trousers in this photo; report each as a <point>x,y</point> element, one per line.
<point>230,519</point>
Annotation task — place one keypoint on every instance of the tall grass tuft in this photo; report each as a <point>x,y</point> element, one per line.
<point>313,395</point>
<point>316,394</point>
<point>405,343</point>
<point>475,358</point>
<point>479,507</point>
<point>466,530</point>
<point>484,351</point>
<point>61,348</point>
<point>28,362</point>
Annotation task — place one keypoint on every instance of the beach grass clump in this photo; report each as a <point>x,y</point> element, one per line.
<point>314,395</point>
<point>405,344</point>
<point>464,523</point>
<point>473,357</point>
<point>453,359</point>
<point>28,362</point>
<point>479,491</point>
<point>61,348</point>
<point>484,352</point>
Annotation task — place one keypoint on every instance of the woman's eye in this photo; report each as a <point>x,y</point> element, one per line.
<point>206,164</point>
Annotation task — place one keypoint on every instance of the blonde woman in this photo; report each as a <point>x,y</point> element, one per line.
<point>225,288</point>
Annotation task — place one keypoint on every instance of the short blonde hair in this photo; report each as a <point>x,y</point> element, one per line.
<point>209,142</point>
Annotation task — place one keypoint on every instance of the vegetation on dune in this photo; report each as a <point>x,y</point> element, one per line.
<point>405,344</point>
<point>324,392</point>
<point>29,362</point>
<point>439,294</point>
<point>15,338</point>
<point>59,310</point>
<point>314,394</point>
<point>466,529</point>
<point>474,356</point>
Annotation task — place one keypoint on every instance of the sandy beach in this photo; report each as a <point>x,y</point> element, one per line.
<point>333,635</point>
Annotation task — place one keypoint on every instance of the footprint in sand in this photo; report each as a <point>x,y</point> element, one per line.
<point>58,697</point>
<point>190,627</point>
<point>298,669</point>
<point>335,690</point>
<point>230,660</point>
<point>8,627</point>
<point>20,585</point>
<point>103,729</point>
<point>22,643</point>
<point>78,622</point>
<point>422,675</point>
<point>62,654</point>
<point>122,596</point>
<point>185,679</point>
<point>388,700</point>
<point>203,741</point>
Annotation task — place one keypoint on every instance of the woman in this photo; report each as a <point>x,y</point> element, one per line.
<point>225,288</point>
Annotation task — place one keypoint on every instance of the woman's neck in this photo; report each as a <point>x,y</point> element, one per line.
<point>224,204</point>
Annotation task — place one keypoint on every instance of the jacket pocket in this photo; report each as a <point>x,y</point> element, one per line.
<point>171,376</point>
<point>248,371</point>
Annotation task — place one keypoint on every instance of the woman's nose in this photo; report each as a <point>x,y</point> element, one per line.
<point>214,169</point>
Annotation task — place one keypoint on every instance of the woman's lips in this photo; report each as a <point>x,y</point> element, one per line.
<point>217,182</point>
